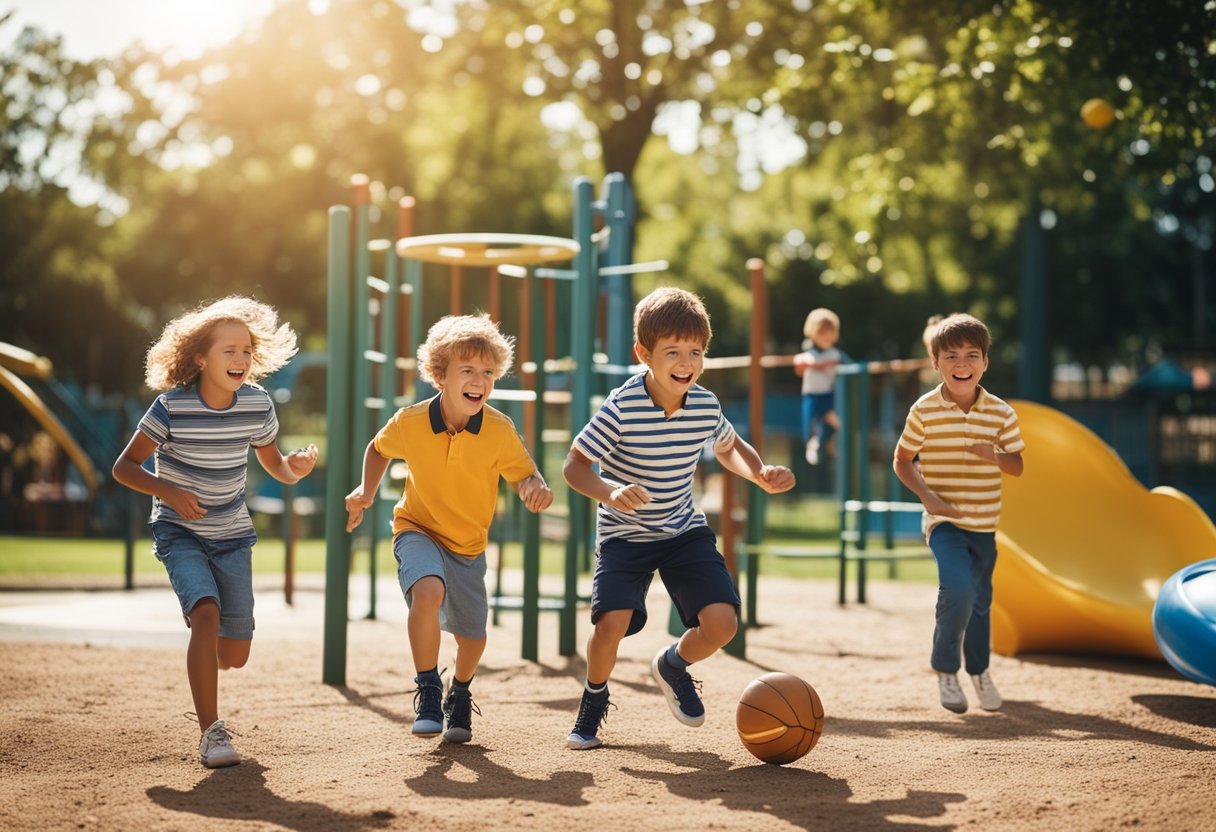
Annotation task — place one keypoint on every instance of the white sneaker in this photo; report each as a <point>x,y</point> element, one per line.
<point>215,748</point>
<point>953,698</point>
<point>990,697</point>
<point>812,450</point>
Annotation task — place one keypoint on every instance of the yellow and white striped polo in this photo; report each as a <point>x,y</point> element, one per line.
<point>940,432</point>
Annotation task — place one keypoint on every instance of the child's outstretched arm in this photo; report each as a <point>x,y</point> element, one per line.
<point>359,500</point>
<point>534,492</point>
<point>910,476</point>
<point>129,471</point>
<point>287,469</point>
<point>582,478</point>
<point>741,458</point>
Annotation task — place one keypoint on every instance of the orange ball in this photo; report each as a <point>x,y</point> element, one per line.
<point>1097,114</point>
<point>779,718</point>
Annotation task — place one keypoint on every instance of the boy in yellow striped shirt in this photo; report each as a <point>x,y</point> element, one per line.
<point>966,439</point>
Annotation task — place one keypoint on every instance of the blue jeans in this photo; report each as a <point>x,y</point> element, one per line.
<point>815,408</point>
<point>965,561</point>
<point>202,568</point>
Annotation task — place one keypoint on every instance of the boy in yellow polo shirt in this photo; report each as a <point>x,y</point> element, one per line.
<point>966,439</point>
<point>456,447</point>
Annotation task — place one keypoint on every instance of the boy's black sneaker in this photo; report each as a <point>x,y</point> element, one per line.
<point>592,712</point>
<point>679,689</point>
<point>428,705</point>
<point>459,708</point>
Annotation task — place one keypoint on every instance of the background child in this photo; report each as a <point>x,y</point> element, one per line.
<point>456,447</point>
<point>200,430</point>
<point>647,438</point>
<point>966,438</point>
<point>929,377</point>
<point>817,365</point>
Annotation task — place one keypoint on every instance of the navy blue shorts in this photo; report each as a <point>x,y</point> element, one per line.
<point>692,569</point>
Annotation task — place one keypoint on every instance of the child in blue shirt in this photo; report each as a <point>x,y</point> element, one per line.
<point>817,365</point>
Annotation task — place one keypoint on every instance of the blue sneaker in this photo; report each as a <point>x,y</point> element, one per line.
<point>679,689</point>
<point>428,705</point>
<point>592,712</point>
<point>459,708</point>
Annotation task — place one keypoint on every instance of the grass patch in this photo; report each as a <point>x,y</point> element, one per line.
<point>792,521</point>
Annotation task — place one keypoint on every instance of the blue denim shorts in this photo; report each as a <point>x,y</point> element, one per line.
<point>200,568</point>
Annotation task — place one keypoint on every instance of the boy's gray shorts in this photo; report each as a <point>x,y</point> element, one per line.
<point>464,609</point>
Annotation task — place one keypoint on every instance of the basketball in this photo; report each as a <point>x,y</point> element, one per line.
<point>779,718</point>
<point>1097,114</point>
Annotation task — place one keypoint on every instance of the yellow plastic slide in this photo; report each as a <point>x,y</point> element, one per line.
<point>21,361</point>
<point>1084,547</point>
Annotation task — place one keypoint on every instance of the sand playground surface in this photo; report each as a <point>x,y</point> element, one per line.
<point>93,737</point>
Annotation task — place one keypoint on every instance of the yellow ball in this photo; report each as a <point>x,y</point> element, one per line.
<point>1097,114</point>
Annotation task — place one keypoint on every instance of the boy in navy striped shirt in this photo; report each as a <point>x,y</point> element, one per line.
<point>646,439</point>
<point>200,430</point>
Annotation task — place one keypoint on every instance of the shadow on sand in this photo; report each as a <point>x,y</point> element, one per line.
<point>240,793</point>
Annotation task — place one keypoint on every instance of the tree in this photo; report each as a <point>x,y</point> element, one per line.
<point>60,294</point>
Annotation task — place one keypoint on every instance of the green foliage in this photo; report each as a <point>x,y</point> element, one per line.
<point>929,131</point>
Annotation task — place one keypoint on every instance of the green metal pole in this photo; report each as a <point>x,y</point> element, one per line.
<point>619,216</point>
<point>133,505</point>
<point>844,467</point>
<point>362,375</point>
<point>531,600</point>
<point>338,450</point>
<point>413,277</point>
<point>388,379</point>
<point>863,476</point>
<point>582,341</point>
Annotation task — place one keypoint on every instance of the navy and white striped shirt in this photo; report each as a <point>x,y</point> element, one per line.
<point>206,452</point>
<point>635,443</point>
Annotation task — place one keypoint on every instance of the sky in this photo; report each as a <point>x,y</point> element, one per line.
<point>103,28</point>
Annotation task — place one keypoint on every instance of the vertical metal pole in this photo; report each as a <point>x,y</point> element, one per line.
<point>527,311</point>
<point>133,503</point>
<point>863,476</point>
<point>289,544</point>
<point>338,450</point>
<point>619,214</point>
<point>413,276</point>
<point>844,467</point>
<point>361,370</point>
<point>531,600</point>
<point>582,334</point>
<point>455,293</point>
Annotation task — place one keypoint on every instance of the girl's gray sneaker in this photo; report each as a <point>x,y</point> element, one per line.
<point>215,748</point>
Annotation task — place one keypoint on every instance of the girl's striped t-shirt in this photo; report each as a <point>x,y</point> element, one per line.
<point>206,451</point>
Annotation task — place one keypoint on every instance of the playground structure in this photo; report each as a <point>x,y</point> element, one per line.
<point>16,363</point>
<point>376,324</point>
<point>1084,548</point>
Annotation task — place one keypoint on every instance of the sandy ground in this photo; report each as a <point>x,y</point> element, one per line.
<point>92,733</point>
